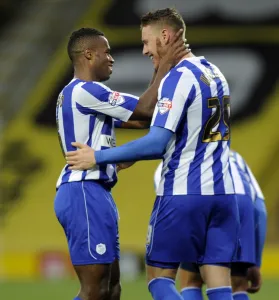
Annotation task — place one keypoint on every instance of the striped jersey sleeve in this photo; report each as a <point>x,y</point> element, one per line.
<point>175,92</point>
<point>95,97</point>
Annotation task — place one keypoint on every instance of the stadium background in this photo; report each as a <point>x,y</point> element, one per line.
<point>241,37</point>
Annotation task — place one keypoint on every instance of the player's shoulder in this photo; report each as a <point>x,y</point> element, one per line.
<point>176,74</point>
<point>199,66</point>
<point>190,68</point>
<point>92,87</point>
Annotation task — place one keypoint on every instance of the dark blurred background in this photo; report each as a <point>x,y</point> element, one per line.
<point>241,37</point>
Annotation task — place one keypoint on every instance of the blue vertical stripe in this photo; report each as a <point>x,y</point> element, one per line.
<point>194,178</point>
<point>230,171</point>
<point>219,185</point>
<point>181,140</point>
<point>89,142</point>
<point>68,122</point>
<point>167,91</point>
<point>217,168</point>
<point>68,117</point>
<point>106,130</point>
<point>107,127</point>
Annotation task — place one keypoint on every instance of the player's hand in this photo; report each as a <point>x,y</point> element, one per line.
<point>174,51</point>
<point>255,280</point>
<point>125,165</point>
<point>81,159</point>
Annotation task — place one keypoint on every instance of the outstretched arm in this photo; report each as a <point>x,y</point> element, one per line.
<point>151,146</point>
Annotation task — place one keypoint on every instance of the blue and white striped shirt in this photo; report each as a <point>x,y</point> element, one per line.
<point>193,102</point>
<point>244,181</point>
<point>85,113</point>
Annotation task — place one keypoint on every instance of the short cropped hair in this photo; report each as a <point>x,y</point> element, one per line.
<point>78,38</point>
<point>166,16</point>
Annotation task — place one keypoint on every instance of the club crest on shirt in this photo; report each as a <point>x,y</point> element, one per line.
<point>164,105</point>
<point>115,98</point>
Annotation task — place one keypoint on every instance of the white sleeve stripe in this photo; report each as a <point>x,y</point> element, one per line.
<point>86,99</point>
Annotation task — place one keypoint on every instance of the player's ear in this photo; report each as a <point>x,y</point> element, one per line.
<point>88,53</point>
<point>165,36</point>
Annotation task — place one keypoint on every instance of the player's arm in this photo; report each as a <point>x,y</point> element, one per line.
<point>254,274</point>
<point>129,125</point>
<point>151,146</point>
<point>260,225</point>
<point>94,97</point>
<point>260,219</point>
<point>132,124</point>
<point>124,165</point>
<point>260,216</point>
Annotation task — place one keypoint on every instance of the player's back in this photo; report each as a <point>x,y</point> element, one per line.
<point>194,103</point>
<point>76,121</point>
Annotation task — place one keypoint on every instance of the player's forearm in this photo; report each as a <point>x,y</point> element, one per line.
<point>151,146</point>
<point>260,225</point>
<point>125,165</point>
<point>133,151</point>
<point>149,98</point>
<point>136,124</point>
<point>132,124</point>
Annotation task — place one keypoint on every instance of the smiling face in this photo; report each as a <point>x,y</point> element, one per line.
<point>159,25</point>
<point>103,62</point>
<point>149,36</point>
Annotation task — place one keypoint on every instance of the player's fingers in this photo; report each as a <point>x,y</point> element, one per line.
<point>70,153</point>
<point>72,157</point>
<point>181,51</point>
<point>78,145</point>
<point>178,45</point>
<point>75,167</point>
<point>71,162</point>
<point>253,289</point>
<point>177,35</point>
<point>178,41</point>
<point>158,43</point>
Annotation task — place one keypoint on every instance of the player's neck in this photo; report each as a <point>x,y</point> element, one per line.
<point>190,54</point>
<point>84,75</point>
